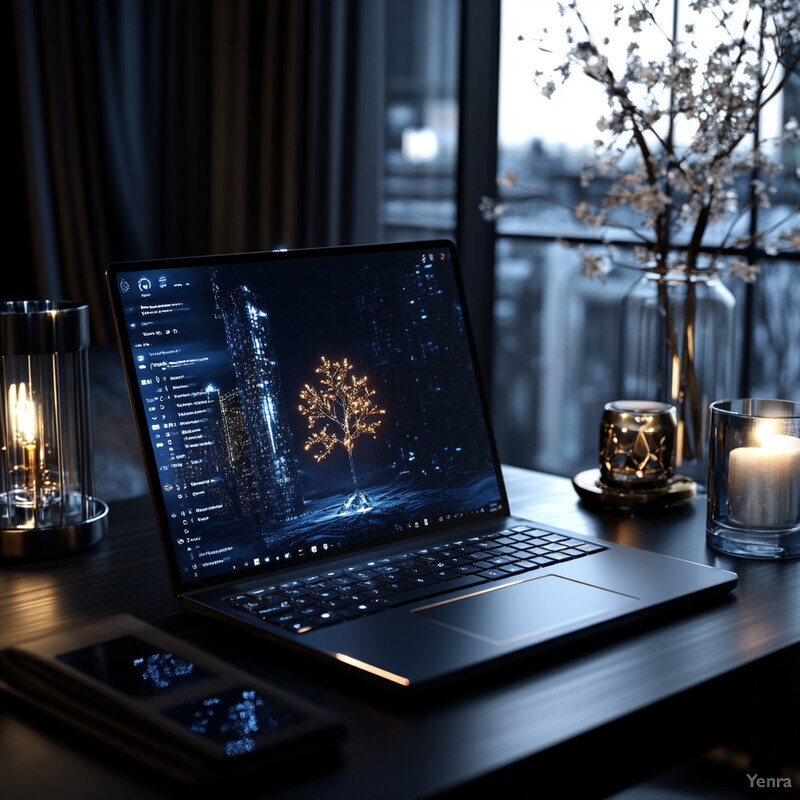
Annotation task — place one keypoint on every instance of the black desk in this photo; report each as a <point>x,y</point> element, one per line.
<point>585,723</point>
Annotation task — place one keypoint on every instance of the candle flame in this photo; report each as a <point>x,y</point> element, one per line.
<point>767,437</point>
<point>764,434</point>
<point>23,413</point>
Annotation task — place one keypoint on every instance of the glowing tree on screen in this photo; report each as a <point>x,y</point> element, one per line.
<point>339,412</point>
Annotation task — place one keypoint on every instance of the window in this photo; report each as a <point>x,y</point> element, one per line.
<point>421,118</point>
<point>555,343</point>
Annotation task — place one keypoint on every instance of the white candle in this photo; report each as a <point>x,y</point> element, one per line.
<point>764,482</point>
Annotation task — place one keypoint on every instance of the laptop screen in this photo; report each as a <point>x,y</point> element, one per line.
<point>297,405</point>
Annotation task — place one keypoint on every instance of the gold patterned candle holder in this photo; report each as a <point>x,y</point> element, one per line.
<point>637,444</point>
<point>636,454</point>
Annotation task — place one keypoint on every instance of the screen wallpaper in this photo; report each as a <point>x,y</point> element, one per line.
<point>303,406</point>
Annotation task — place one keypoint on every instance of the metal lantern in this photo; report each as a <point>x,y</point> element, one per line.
<point>46,484</point>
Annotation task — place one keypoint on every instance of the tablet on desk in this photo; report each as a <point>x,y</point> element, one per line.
<point>173,706</point>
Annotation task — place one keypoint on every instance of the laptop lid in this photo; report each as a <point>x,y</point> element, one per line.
<point>296,405</point>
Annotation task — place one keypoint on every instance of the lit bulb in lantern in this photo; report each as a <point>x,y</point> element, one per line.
<point>22,413</point>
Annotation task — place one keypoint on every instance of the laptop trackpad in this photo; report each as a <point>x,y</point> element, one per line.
<point>505,614</point>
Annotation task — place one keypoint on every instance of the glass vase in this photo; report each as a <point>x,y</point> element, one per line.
<point>677,346</point>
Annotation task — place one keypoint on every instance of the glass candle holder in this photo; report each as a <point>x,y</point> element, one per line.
<point>637,444</point>
<point>754,478</point>
<point>47,506</point>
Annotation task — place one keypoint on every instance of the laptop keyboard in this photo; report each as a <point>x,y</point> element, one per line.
<point>334,596</point>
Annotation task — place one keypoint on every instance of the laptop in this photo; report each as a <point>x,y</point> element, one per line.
<point>323,471</point>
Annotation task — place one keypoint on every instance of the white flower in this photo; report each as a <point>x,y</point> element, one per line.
<point>743,270</point>
<point>594,266</point>
<point>509,180</point>
<point>491,209</point>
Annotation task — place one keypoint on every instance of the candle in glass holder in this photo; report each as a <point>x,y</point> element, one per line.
<point>764,481</point>
<point>753,507</point>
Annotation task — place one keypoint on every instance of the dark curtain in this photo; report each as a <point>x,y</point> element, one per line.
<point>165,128</point>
